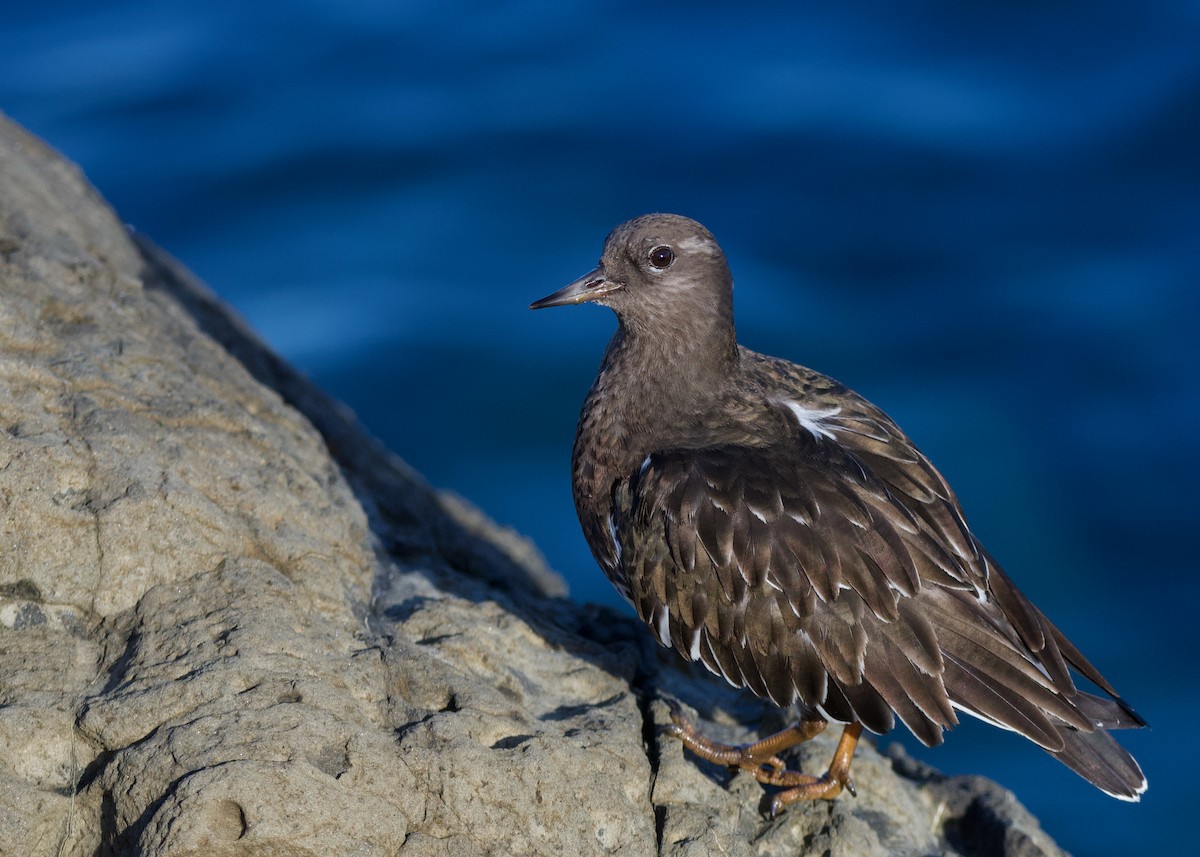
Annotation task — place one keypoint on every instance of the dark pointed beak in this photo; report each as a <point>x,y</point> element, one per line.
<point>589,287</point>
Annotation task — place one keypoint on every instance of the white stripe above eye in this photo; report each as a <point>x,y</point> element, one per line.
<point>815,420</point>
<point>696,243</point>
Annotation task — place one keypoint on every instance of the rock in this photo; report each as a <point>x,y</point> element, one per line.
<point>231,623</point>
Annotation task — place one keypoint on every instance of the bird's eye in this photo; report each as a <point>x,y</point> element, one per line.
<point>661,257</point>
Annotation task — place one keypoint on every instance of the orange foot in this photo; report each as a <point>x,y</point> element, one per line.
<point>761,758</point>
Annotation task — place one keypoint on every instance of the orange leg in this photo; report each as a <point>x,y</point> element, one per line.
<point>827,786</point>
<point>761,758</point>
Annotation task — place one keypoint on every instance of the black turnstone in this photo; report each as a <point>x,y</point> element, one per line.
<point>771,524</point>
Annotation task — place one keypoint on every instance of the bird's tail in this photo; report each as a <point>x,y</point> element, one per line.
<point>1099,759</point>
<point>998,678</point>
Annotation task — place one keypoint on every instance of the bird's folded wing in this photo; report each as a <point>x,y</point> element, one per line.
<point>806,576</point>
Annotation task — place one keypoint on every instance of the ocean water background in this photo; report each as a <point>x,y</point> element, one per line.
<point>984,217</point>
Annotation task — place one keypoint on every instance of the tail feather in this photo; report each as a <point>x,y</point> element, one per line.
<point>992,675</point>
<point>1104,713</point>
<point>1099,759</point>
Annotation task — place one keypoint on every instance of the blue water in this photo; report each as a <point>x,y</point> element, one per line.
<point>985,217</point>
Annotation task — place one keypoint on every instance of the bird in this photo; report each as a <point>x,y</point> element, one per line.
<point>774,526</point>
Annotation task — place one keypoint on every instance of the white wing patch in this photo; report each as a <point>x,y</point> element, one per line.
<point>815,420</point>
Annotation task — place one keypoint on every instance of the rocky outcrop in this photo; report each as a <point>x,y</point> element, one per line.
<point>232,624</point>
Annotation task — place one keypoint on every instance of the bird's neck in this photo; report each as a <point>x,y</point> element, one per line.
<point>658,388</point>
<point>652,393</point>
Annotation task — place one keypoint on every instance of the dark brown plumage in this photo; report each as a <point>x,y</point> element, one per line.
<point>771,524</point>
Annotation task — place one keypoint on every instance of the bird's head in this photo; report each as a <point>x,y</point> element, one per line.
<point>657,272</point>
